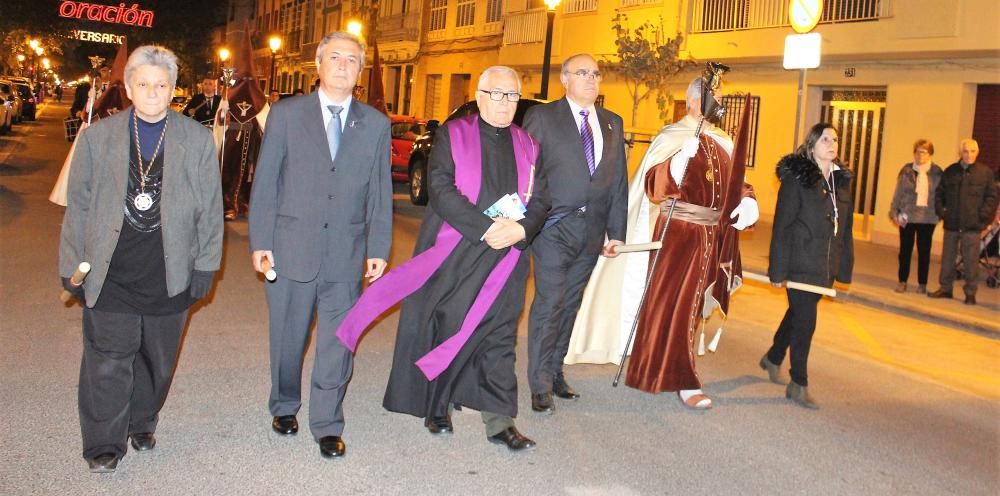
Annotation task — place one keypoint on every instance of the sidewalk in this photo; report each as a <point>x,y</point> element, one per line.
<point>875,279</point>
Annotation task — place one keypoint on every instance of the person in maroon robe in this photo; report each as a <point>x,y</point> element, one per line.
<point>699,264</point>
<point>242,118</point>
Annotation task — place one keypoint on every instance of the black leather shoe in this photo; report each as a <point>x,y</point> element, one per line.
<point>104,463</point>
<point>970,299</point>
<point>514,440</point>
<point>331,447</point>
<point>285,425</point>
<point>542,403</point>
<point>940,294</point>
<point>563,390</point>
<point>440,425</point>
<point>143,441</point>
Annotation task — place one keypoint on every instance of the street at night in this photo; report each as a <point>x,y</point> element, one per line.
<point>909,402</point>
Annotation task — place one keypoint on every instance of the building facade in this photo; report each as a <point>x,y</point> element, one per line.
<point>892,71</point>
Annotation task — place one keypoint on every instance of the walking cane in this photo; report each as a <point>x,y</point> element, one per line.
<point>645,289</point>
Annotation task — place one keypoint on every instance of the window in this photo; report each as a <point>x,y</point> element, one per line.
<point>466,13</point>
<point>494,10</point>
<point>731,121</point>
<point>439,14</point>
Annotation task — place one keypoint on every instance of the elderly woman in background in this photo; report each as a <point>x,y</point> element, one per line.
<point>913,211</point>
<point>145,210</point>
<point>811,243</point>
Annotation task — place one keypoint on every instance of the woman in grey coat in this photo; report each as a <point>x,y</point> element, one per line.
<point>144,208</point>
<point>913,211</point>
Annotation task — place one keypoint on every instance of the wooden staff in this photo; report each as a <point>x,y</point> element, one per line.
<point>76,280</point>
<point>269,272</point>
<point>801,286</point>
<point>655,245</point>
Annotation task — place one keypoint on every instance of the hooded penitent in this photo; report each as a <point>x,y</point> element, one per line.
<point>241,122</point>
<point>114,99</point>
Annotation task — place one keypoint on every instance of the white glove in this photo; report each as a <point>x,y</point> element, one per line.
<point>679,162</point>
<point>748,213</point>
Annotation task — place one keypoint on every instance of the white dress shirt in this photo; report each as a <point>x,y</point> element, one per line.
<point>324,101</point>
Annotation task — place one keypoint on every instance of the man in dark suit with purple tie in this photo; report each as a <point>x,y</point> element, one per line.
<point>583,158</point>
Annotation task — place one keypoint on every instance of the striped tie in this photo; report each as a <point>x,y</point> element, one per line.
<point>588,141</point>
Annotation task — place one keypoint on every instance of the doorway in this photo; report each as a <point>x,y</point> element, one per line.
<point>859,116</point>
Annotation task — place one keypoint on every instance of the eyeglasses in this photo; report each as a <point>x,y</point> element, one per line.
<point>498,95</point>
<point>583,73</point>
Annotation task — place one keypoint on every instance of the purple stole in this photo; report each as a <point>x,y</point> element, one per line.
<point>404,280</point>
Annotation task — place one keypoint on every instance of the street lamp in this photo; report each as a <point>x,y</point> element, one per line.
<point>20,62</point>
<point>46,64</point>
<point>354,27</point>
<point>275,44</point>
<point>550,15</point>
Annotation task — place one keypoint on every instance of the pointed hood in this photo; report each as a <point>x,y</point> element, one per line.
<point>376,94</point>
<point>246,98</point>
<point>114,99</point>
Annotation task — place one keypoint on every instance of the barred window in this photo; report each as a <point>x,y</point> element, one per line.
<point>466,13</point>
<point>734,115</point>
<point>439,14</point>
<point>494,10</point>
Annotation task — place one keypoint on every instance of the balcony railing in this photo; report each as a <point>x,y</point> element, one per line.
<point>639,3</point>
<point>733,15</point>
<point>399,27</point>
<point>524,27</point>
<point>574,6</point>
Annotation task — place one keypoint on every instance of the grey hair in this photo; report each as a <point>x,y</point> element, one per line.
<point>498,69</point>
<point>967,141</point>
<point>339,35</point>
<point>569,60</point>
<point>153,55</point>
<point>694,89</point>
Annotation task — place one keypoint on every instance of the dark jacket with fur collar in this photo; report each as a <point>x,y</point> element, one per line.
<point>804,247</point>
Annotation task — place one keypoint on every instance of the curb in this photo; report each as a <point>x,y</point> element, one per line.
<point>865,295</point>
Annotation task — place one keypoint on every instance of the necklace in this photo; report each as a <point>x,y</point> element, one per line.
<point>144,201</point>
<point>831,184</point>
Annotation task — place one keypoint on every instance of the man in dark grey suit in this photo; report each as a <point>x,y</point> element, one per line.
<point>320,211</point>
<point>583,158</point>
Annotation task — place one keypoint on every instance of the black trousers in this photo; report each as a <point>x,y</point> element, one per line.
<point>923,234</point>
<point>128,363</point>
<point>561,274</point>
<point>796,332</point>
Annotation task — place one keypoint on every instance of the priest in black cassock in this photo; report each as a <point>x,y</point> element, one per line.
<point>466,282</point>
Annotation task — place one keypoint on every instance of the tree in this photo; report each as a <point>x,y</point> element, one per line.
<point>647,60</point>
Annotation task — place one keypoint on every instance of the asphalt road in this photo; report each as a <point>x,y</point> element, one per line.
<point>908,407</point>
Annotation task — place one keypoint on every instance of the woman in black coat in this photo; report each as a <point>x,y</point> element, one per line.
<point>811,243</point>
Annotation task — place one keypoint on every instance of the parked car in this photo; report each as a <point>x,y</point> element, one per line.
<point>6,115</point>
<point>28,99</point>
<point>10,94</point>
<point>405,131</point>
<point>422,146</point>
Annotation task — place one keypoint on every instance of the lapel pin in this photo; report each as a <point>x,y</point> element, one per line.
<point>353,123</point>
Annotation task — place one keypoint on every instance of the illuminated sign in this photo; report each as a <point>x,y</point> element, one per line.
<point>79,34</point>
<point>804,14</point>
<point>121,14</point>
